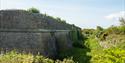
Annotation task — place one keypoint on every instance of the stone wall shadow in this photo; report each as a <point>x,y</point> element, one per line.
<point>78,54</point>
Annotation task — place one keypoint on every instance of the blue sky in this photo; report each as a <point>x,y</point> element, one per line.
<point>83,13</point>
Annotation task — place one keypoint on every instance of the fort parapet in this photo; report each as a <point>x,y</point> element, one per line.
<point>34,33</point>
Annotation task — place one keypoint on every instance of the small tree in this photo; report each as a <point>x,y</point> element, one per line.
<point>33,10</point>
<point>122,21</point>
<point>99,28</point>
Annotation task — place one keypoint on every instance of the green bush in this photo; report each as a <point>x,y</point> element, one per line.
<point>112,55</point>
<point>92,43</point>
<point>33,10</point>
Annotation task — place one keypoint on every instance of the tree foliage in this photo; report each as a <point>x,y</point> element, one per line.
<point>122,21</point>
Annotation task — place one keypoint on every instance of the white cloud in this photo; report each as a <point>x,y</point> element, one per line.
<point>116,16</point>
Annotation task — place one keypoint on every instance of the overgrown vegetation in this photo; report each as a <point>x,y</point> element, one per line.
<point>106,45</point>
<point>100,46</point>
<point>111,55</point>
<point>90,46</point>
<point>14,57</point>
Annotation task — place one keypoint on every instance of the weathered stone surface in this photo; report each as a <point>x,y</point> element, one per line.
<point>33,33</point>
<point>34,42</point>
<point>64,41</point>
<point>20,19</point>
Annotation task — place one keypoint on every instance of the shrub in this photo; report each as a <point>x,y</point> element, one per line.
<point>112,55</point>
<point>92,43</point>
<point>33,10</point>
<point>14,57</point>
<point>122,21</point>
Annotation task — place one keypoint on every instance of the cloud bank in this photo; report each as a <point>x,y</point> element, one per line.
<point>116,16</point>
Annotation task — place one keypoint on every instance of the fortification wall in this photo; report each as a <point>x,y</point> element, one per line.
<point>20,19</point>
<point>33,33</point>
<point>46,43</point>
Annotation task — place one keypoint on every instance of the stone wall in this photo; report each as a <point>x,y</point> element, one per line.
<point>47,43</point>
<point>33,33</point>
<point>20,19</point>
